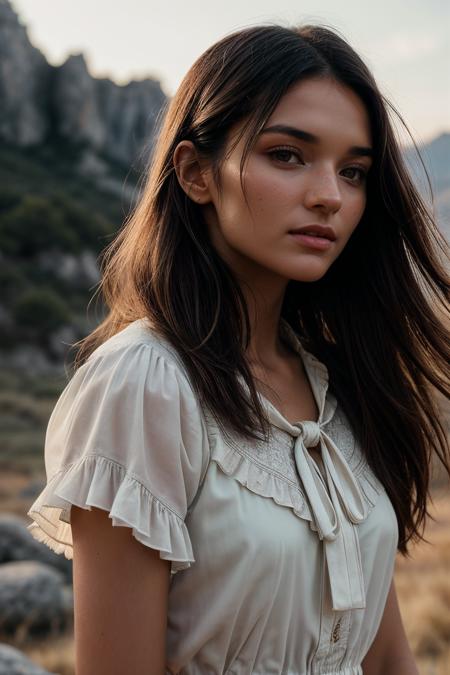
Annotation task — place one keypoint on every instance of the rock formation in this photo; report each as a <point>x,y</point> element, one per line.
<point>40,102</point>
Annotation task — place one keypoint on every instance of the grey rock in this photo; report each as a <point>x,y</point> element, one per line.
<point>113,121</point>
<point>17,543</point>
<point>91,165</point>
<point>89,270</point>
<point>130,114</point>
<point>62,340</point>
<point>14,662</point>
<point>33,600</point>
<point>80,271</point>
<point>24,81</point>
<point>6,320</point>
<point>31,490</point>
<point>29,358</point>
<point>75,103</point>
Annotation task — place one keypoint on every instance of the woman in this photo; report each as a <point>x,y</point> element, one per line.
<point>254,414</point>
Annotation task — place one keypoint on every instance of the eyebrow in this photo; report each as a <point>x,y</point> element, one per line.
<point>310,138</point>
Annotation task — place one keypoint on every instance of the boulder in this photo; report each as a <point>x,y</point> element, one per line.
<point>17,543</point>
<point>13,662</point>
<point>33,600</point>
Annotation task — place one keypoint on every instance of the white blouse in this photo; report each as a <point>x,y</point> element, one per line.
<point>279,566</point>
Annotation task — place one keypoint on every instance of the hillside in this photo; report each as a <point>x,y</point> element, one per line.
<point>72,150</point>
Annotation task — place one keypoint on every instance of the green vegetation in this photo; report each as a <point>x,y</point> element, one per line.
<point>50,215</point>
<point>41,311</point>
<point>26,402</point>
<point>51,218</point>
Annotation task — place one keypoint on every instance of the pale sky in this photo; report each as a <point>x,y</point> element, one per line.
<point>404,42</point>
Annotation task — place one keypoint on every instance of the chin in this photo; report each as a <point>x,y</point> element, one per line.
<point>307,273</point>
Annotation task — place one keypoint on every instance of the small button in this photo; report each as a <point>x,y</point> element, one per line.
<point>336,632</point>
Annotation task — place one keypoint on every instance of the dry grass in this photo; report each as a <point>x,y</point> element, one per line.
<point>423,587</point>
<point>56,656</point>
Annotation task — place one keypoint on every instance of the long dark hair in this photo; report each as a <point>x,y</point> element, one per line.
<point>378,318</point>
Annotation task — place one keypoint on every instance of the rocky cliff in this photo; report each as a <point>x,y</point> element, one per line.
<point>40,102</point>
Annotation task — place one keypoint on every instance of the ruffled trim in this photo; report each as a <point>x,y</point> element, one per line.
<point>233,459</point>
<point>256,477</point>
<point>371,487</point>
<point>100,482</point>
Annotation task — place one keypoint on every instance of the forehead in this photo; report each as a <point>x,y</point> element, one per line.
<point>324,108</point>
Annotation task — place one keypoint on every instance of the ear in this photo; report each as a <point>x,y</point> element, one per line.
<point>191,175</point>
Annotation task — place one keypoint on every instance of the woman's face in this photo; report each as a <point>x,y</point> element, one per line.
<point>311,172</point>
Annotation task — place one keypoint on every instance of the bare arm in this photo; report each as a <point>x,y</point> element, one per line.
<point>390,653</point>
<point>120,599</point>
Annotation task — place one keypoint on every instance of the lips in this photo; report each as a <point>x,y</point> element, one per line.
<point>315,230</point>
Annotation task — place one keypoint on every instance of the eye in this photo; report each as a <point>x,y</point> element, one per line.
<point>362,173</point>
<point>283,154</point>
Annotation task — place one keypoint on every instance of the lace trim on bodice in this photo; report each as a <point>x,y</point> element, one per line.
<point>268,468</point>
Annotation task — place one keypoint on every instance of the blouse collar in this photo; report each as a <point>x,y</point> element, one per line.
<point>317,374</point>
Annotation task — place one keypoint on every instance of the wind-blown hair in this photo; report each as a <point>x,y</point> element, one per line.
<point>379,317</point>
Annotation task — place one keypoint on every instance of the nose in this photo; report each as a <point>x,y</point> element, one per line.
<point>323,191</point>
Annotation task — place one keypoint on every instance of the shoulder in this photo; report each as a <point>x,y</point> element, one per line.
<point>130,395</point>
<point>126,435</point>
<point>136,359</point>
<point>140,337</point>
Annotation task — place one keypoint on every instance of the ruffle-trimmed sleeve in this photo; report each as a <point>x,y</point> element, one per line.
<point>126,435</point>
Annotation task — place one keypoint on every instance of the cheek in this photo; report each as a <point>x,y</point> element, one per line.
<point>240,218</point>
<point>266,191</point>
<point>355,212</point>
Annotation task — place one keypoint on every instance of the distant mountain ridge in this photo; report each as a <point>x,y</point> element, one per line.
<point>436,157</point>
<point>117,124</point>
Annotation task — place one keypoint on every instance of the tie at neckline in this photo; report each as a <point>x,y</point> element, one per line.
<point>310,433</point>
<point>336,512</point>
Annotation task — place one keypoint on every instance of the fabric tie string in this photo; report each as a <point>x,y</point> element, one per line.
<point>335,513</point>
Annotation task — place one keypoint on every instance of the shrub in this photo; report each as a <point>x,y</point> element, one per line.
<point>40,311</point>
<point>35,225</point>
<point>9,199</point>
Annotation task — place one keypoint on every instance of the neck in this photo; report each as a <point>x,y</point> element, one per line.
<point>264,306</point>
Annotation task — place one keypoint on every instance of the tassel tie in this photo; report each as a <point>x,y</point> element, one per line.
<point>335,514</point>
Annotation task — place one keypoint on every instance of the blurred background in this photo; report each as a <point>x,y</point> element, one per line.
<point>82,86</point>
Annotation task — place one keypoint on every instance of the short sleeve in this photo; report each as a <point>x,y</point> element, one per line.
<point>126,435</point>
